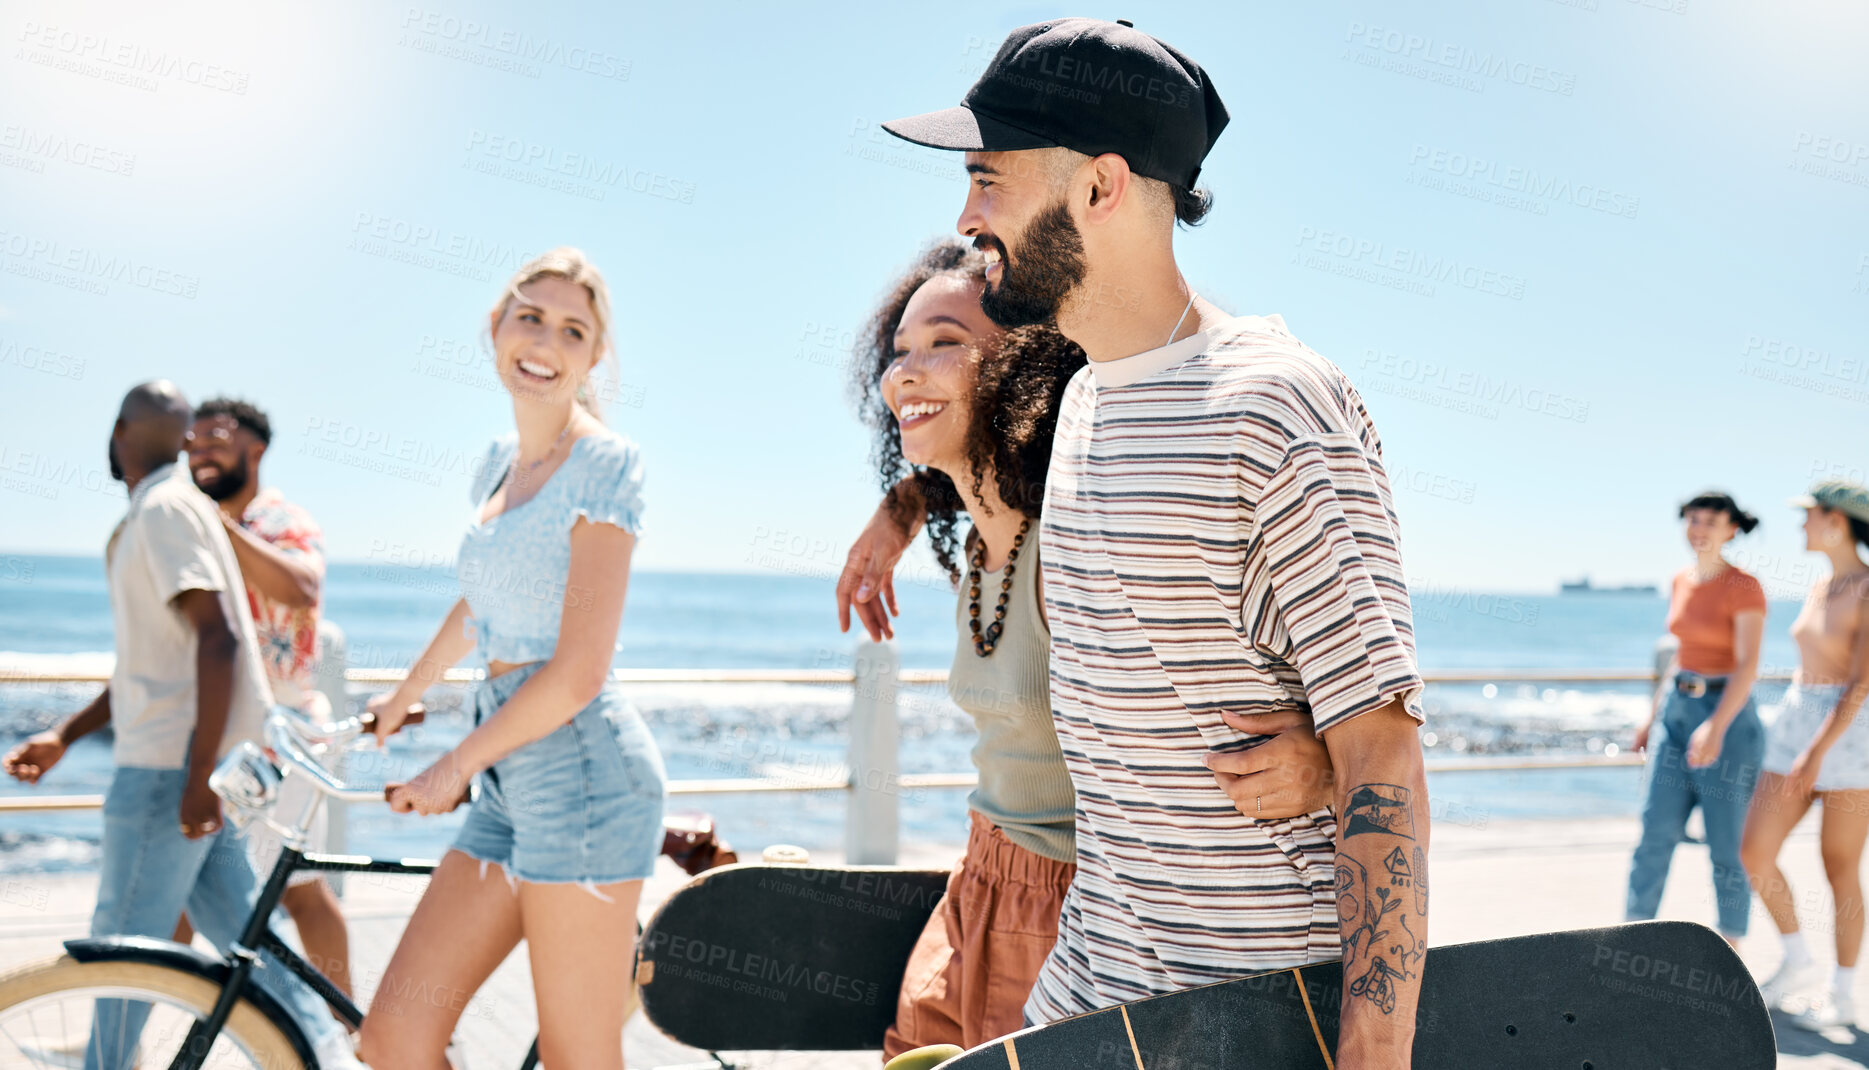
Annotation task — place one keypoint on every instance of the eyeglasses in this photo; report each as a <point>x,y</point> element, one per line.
<point>219,436</point>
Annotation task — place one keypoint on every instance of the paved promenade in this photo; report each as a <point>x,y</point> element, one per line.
<point>1490,880</point>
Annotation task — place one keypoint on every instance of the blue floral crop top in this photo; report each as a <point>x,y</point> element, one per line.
<point>514,568</point>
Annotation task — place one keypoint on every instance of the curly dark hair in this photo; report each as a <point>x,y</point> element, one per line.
<point>1014,408</point>
<point>244,413</point>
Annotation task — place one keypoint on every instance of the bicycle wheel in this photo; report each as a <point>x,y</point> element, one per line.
<point>46,1012</point>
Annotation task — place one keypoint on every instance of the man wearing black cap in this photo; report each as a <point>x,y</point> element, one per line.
<point>1219,541</point>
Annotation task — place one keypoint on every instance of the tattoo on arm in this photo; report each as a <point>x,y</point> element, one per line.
<point>1379,808</point>
<point>1380,947</point>
<point>1421,882</point>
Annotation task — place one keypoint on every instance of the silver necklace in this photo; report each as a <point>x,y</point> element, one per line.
<point>523,472</point>
<point>1184,315</point>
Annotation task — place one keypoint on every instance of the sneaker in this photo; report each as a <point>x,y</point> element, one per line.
<point>1834,1013</point>
<point>1788,981</point>
<point>335,1052</point>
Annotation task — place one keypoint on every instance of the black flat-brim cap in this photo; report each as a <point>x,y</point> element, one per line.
<point>962,129</point>
<point>1088,85</point>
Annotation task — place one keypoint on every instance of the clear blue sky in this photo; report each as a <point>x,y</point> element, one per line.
<point>289,202</point>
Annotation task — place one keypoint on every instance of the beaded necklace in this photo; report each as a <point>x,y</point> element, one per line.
<point>985,641</point>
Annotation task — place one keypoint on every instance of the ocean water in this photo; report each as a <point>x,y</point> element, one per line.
<point>54,612</point>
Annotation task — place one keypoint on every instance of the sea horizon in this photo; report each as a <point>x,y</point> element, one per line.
<point>57,604</point>
<point>58,619</point>
<point>1600,585</point>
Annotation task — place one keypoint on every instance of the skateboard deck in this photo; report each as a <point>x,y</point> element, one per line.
<point>1649,995</point>
<point>767,958</point>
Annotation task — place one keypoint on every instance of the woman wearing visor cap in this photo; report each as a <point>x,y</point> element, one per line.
<point>1818,747</point>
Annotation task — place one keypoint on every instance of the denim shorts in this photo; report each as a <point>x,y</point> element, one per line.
<point>1796,720</point>
<point>583,805</point>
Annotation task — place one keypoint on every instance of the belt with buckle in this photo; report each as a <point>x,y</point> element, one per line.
<point>1693,685</point>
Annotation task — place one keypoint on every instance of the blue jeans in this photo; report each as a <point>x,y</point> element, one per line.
<point>150,873</point>
<point>1722,790</point>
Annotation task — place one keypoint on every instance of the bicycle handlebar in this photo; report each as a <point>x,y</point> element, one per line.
<point>289,736</point>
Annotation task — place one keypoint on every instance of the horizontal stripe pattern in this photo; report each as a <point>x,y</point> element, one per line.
<point>1219,535</point>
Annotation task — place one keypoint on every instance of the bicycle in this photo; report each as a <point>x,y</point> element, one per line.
<point>221,1017</point>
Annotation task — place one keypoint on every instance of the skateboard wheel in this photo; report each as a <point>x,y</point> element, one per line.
<point>923,1058</point>
<point>785,854</point>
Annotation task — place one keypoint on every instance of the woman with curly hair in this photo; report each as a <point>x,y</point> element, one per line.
<point>963,414</point>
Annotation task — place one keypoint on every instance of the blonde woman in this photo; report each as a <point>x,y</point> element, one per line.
<point>1818,748</point>
<point>568,818</point>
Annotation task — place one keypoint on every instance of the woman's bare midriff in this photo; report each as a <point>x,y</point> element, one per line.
<point>501,668</point>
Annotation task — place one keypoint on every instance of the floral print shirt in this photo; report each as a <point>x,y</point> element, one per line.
<point>288,636</point>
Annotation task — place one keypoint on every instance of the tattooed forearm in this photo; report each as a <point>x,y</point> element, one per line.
<point>1379,808</point>
<point>1382,895</point>
<point>1382,884</point>
<point>1421,881</point>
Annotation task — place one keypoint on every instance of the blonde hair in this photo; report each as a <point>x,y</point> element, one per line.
<point>568,263</point>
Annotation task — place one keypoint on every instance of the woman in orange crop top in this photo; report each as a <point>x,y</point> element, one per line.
<point>1818,747</point>
<point>1707,751</point>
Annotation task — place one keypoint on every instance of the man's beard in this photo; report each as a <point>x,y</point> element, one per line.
<point>1050,266</point>
<point>230,482</point>
<point>116,467</point>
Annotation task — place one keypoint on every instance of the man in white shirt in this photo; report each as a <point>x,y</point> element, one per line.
<point>187,687</point>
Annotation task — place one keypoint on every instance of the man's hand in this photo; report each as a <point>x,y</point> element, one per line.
<point>34,758</point>
<point>1284,777</point>
<point>869,571</point>
<point>201,809</point>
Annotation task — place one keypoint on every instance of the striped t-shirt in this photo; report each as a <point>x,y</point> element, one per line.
<point>1218,535</point>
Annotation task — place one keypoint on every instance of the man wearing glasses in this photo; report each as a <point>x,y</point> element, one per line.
<point>281,554</point>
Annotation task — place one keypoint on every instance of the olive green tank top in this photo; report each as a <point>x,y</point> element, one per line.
<point>1024,787</point>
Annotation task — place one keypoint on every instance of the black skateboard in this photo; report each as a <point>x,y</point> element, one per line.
<point>1646,996</point>
<point>770,958</point>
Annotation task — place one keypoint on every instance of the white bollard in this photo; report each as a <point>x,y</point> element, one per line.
<point>871,821</point>
<point>333,659</point>
<point>1665,649</point>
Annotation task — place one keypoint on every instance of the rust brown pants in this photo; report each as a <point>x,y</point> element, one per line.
<point>970,972</point>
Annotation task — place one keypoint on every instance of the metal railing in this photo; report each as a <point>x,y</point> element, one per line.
<point>874,780</point>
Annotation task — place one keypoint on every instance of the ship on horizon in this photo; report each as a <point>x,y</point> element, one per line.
<point>1584,586</point>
